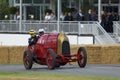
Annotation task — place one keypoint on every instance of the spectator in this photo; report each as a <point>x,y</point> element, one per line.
<point>89,15</point>
<point>62,16</point>
<point>68,17</point>
<point>47,17</point>
<point>115,16</point>
<point>80,16</point>
<point>109,22</point>
<point>52,17</point>
<point>94,16</point>
<point>103,20</point>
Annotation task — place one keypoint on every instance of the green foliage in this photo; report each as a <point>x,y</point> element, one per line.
<point>13,10</point>
<point>4,9</point>
<point>85,6</point>
<point>66,10</point>
<point>48,10</point>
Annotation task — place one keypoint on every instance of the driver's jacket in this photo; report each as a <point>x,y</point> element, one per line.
<point>32,40</point>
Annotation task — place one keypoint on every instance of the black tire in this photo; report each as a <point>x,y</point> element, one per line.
<point>82,57</point>
<point>58,66</point>
<point>27,59</point>
<point>51,59</point>
<point>64,63</point>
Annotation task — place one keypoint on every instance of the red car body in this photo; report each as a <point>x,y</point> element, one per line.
<point>53,50</point>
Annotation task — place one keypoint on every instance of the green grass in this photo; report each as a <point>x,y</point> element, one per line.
<point>48,76</point>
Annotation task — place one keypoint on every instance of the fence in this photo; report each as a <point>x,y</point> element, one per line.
<point>68,27</point>
<point>116,28</point>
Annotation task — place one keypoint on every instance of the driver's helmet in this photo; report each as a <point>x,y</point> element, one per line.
<point>32,32</point>
<point>41,31</point>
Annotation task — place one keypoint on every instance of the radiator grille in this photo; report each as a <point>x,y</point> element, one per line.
<point>65,47</point>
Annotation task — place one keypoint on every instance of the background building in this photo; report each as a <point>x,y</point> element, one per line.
<point>35,9</point>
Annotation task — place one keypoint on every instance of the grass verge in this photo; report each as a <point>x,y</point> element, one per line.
<point>48,76</point>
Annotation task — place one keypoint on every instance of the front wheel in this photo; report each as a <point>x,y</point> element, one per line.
<point>82,57</point>
<point>28,59</point>
<point>51,59</point>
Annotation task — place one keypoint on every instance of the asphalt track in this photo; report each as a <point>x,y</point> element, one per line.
<point>89,70</point>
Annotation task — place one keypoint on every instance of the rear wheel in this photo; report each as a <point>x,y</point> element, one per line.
<point>82,57</point>
<point>51,59</point>
<point>28,59</point>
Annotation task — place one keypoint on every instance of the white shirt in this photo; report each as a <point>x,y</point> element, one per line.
<point>47,17</point>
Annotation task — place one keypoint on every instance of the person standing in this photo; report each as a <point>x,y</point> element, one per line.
<point>52,17</point>
<point>103,20</point>
<point>89,15</point>
<point>47,17</point>
<point>80,16</point>
<point>109,22</point>
<point>68,17</point>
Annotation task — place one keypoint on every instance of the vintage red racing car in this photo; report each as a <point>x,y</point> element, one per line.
<point>53,50</point>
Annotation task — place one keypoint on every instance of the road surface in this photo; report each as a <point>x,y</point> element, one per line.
<point>89,70</point>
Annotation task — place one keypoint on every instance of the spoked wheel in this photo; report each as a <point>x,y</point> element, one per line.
<point>51,59</point>
<point>82,57</point>
<point>28,59</point>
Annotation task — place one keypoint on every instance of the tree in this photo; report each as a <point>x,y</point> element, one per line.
<point>13,10</point>
<point>4,9</point>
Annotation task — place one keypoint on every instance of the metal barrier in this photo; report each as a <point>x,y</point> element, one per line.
<point>9,26</point>
<point>101,36</point>
<point>68,27</point>
<point>116,32</point>
<point>116,28</point>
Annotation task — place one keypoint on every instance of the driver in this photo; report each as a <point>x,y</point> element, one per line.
<point>33,39</point>
<point>41,32</point>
